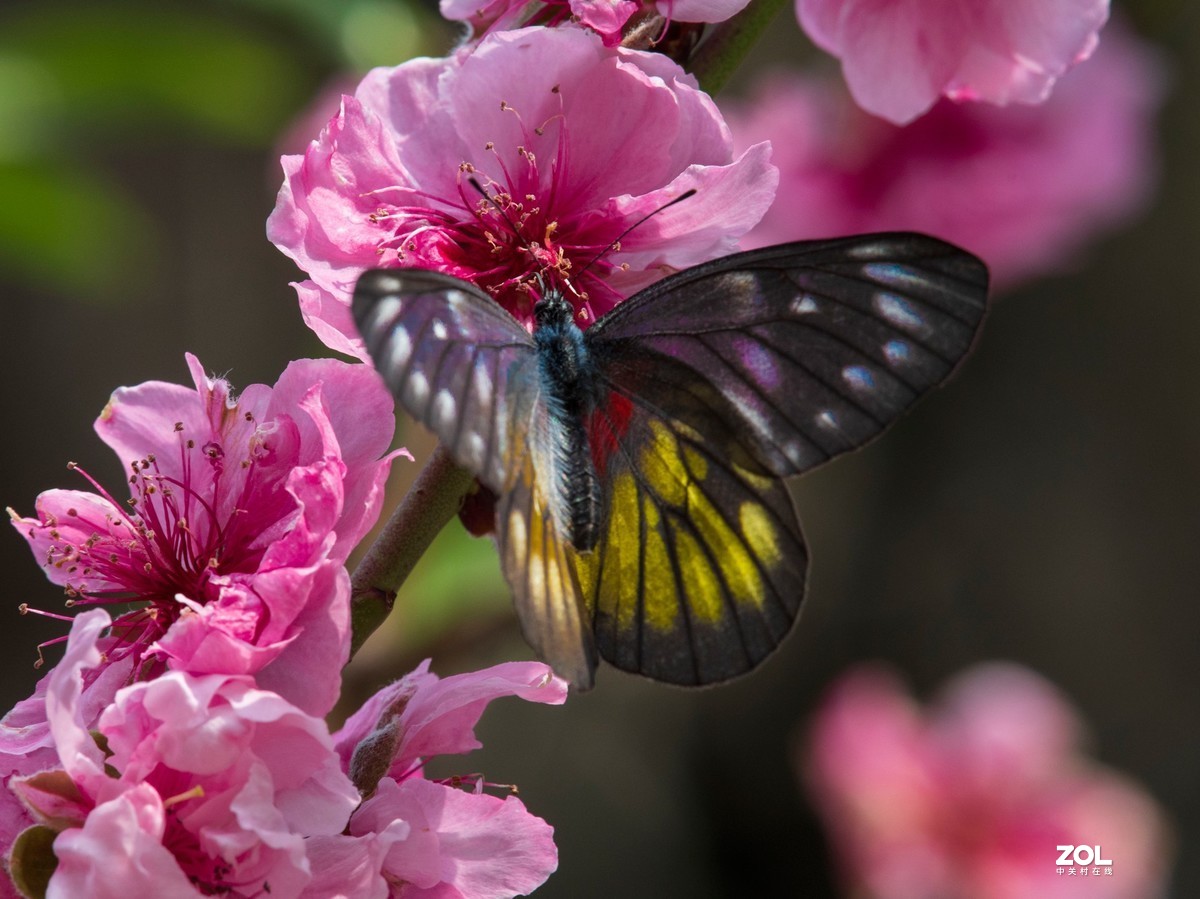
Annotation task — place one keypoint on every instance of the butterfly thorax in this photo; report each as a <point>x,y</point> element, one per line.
<point>568,382</point>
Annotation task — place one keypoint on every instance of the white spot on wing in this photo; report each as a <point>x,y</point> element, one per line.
<point>444,409</point>
<point>516,537</point>
<point>473,451</point>
<point>804,305</point>
<point>416,390</point>
<point>799,454</point>
<point>892,273</point>
<point>826,419</point>
<point>481,386</point>
<point>439,329</point>
<point>897,352</point>
<point>384,311</point>
<point>758,361</point>
<point>859,377</point>
<point>399,348</point>
<point>898,311</point>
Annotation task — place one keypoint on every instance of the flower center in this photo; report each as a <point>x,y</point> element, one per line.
<point>511,235</point>
<point>159,549</point>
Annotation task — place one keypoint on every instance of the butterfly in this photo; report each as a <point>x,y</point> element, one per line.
<point>638,466</point>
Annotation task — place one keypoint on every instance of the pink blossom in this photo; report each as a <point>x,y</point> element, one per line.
<point>461,845</point>
<point>972,797</point>
<point>607,18</point>
<point>243,513</point>
<point>207,784</point>
<point>437,716</point>
<point>1023,187</point>
<point>457,844</point>
<point>351,867</point>
<point>553,125</point>
<point>118,852</point>
<point>899,56</point>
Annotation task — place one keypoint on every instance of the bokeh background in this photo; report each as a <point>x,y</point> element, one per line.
<point>1044,508</point>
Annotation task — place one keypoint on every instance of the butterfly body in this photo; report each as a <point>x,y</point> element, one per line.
<point>567,380</point>
<point>639,465</point>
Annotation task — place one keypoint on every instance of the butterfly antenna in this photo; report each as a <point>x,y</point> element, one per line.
<point>616,241</point>
<point>474,182</point>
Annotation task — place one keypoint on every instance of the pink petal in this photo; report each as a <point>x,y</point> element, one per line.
<point>1022,186</point>
<point>606,17</point>
<point>329,317</point>
<point>118,853</point>
<point>69,518</point>
<point>438,717</point>
<point>350,867</point>
<point>734,195</point>
<point>899,56</point>
<point>77,750</point>
<point>700,10</point>
<point>1006,725</point>
<point>481,846</point>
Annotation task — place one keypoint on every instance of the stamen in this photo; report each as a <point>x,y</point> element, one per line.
<point>196,792</point>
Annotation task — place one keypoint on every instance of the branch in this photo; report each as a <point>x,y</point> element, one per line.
<point>434,499</point>
<point>716,59</point>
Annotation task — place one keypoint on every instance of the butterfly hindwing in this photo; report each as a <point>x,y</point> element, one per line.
<point>814,348</point>
<point>446,351</point>
<point>700,566</point>
<point>537,560</point>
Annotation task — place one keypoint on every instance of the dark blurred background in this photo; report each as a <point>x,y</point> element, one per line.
<point>1044,508</point>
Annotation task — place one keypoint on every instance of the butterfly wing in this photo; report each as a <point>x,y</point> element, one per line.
<point>536,556</point>
<point>467,370</point>
<point>719,381</point>
<point>815,347</point>
<point>700,566</point>
<point>446,351</point>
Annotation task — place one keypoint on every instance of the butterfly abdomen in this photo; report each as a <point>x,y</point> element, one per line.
<point>567,375</point>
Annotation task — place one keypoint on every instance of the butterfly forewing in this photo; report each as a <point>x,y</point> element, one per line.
<point>466,369</point>
<point>446,351</point>
<point>814,348</point>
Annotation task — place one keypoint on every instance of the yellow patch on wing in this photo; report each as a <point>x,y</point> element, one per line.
<point>669,541</point>
<point>701,585</point>
<point>756,528</point>
<point>537,563</point>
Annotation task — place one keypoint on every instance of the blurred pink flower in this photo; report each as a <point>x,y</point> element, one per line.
<point>899,56</point>
<point>972,798</point>
<point>457,844</point>
<point>1023,187</point>
<point>234,543</point>
<point>606,17</point>
<point>553,125</point>
<point>204,785</point>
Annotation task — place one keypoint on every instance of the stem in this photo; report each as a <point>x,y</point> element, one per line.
<point>719,55</point>
<point>433,500</point>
